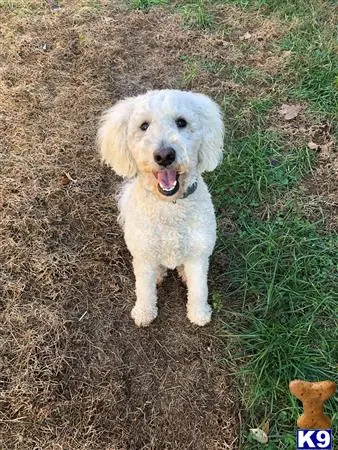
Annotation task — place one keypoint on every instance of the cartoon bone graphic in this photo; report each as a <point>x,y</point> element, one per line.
<point>313,395</point>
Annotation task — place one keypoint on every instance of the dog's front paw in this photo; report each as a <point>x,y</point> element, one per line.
<point>199,315</point>
<point>143,316</point>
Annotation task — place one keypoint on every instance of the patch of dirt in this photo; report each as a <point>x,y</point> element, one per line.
<point>75,373</point>
<point>317,195</point>
<point>321,187</point>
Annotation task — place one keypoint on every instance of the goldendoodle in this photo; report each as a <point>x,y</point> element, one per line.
<point>162,142</point>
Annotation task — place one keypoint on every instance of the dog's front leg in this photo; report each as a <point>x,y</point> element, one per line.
<point>145,309</point>
<point>196,273</point>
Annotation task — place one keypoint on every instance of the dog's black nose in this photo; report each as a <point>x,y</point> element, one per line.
<point>165,156</point>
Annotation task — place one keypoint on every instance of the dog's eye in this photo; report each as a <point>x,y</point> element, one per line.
<point>144,126</point>
<point>181,123</point>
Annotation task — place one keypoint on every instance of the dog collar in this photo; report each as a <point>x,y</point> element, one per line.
<point>190,190</point>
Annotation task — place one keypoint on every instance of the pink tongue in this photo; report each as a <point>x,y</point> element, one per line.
<point>167,178</point>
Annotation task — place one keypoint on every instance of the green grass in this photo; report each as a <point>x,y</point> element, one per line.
<point>146,4</point>
<point>257,167</point>
<point>195,14</point>
<point>22,8</point>
<point>281,286</point>
<point>285,273</point>
<point>313,70</point>
<point>288,9</point>
<point>284,281</point>
<point>312,74</point>
<point>191,72</point>
<point>314,67</point>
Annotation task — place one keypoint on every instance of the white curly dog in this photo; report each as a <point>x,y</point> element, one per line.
<point>163,141</point>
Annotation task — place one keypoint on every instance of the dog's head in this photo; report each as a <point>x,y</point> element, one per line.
<point>166,137</point>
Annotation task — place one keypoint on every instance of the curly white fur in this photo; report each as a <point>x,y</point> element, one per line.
<point>165,232</point>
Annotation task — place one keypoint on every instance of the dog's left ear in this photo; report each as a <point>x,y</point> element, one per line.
<point>211,151</point>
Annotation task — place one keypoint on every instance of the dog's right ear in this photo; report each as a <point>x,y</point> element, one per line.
<point>112,138</point>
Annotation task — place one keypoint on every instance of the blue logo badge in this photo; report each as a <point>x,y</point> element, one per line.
<point>314,439</point>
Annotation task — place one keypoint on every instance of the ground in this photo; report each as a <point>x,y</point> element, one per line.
<point>75,371</point>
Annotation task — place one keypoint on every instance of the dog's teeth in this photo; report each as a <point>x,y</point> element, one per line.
<point>168,189</point>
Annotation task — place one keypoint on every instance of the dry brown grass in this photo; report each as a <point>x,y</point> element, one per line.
<point>75,372</point>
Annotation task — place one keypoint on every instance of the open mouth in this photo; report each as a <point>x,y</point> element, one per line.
<point>168,183</point>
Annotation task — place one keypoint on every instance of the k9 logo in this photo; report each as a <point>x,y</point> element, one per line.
<point>314,439</point>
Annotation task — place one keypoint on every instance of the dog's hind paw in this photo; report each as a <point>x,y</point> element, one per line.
<point>143,316</point>
<point>199,315</point>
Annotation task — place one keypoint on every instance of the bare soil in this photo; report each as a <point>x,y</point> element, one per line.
<point>75,372</point>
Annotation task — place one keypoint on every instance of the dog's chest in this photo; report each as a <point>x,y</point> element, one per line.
<point>170,233</point>
<point>173,243</point>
